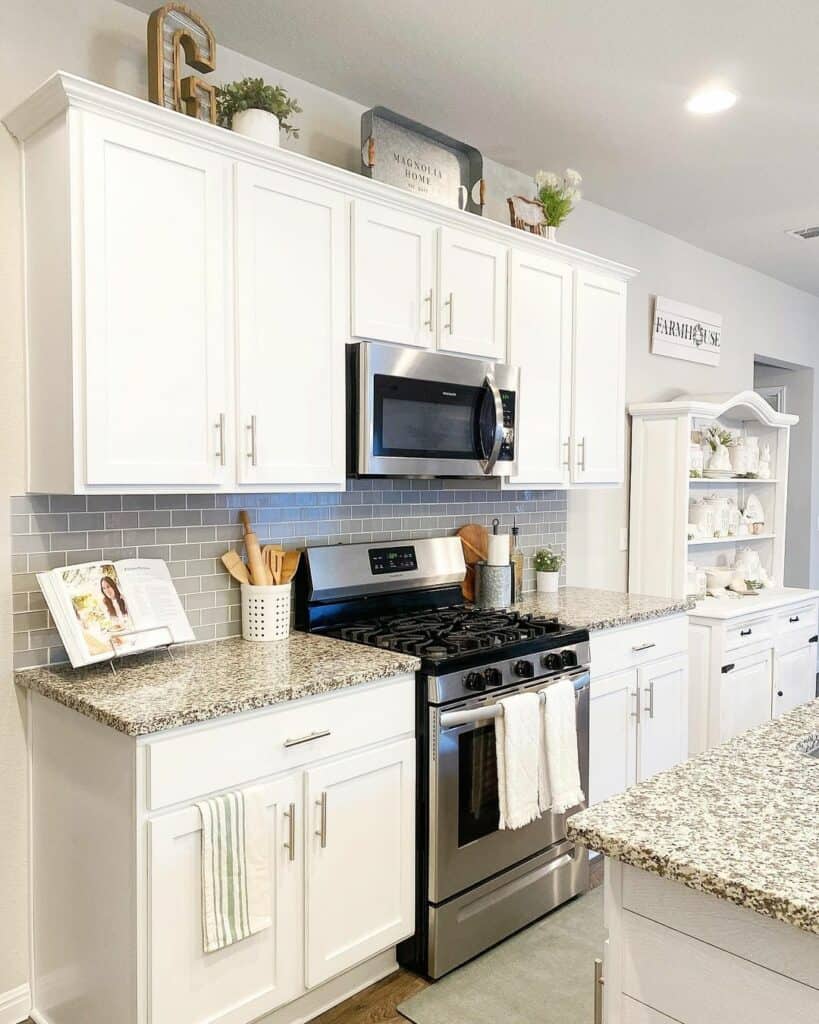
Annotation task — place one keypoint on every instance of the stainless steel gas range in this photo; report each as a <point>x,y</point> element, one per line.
<point>476,884</point>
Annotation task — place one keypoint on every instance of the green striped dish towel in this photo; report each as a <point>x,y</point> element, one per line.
<point>236,896</point>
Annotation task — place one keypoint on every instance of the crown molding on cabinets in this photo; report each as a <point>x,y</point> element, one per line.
<point>62,91</point>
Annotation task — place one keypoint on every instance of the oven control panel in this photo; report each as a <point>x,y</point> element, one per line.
<point>397,559</point>
<point>507,451</point>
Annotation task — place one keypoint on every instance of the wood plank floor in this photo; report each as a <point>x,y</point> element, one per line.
<point>377,1004</point>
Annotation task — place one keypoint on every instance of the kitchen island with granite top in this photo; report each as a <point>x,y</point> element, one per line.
<point>712,884</point>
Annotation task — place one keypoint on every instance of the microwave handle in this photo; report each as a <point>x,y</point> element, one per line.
<point>488,464</point>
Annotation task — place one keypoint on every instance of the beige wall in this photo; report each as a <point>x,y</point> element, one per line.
<point>105,41</point>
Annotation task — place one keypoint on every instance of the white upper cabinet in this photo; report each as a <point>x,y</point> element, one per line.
<point>291,275</point>
<point>599,385</point>
<point>472,295</point>
<point>540,344</point>
<point>190,292</point>
<point>393,276</point>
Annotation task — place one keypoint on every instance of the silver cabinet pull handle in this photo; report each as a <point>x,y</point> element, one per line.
<point>599,982</point>
<point>428,322</point>
<point>322,829</point>
<point>643,647</point>
<point>451,303</point>
<point>220,426</point>
<point>581,462</point>
<point>636,712</point>
<point>252,428</point>
<point>567,444</point>
<point>290,845</point>
<point>650,708</point>
<point>319,735</point>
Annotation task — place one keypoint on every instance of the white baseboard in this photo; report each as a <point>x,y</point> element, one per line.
<point>15,1005</point>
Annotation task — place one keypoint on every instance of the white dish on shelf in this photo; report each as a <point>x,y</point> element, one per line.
<point>718,474</point>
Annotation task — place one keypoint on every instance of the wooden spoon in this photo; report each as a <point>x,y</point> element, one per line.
<point>290,565</point>
<point>235,566</point>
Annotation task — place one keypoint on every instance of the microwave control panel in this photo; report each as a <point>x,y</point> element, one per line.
<point>507,452</point>
<point>398,559</point>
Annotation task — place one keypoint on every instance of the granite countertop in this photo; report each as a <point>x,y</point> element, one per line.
<point>151,693</point>
<point>740,822</point>
<point>586,608</point>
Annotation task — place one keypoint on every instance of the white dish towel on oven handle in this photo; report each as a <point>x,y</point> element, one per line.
<point>559,773</point>
<point>517,751</point>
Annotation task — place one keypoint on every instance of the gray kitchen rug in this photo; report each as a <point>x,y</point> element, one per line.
<point>542,975</point>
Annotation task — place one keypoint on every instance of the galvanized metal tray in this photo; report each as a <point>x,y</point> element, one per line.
<point>409,155</point>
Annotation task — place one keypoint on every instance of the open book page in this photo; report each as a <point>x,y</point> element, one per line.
<point>153,600</point>
<point>106,609</point>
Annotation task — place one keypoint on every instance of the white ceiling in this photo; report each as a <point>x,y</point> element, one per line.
<point>597,85</point>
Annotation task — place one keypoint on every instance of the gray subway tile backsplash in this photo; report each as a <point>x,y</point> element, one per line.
<point>191,531</point>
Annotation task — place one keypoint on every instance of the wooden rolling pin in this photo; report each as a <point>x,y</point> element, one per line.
<point>259,576</point>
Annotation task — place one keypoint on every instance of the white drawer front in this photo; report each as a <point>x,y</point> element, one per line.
<point>613,650</point>
<point>747,632</point>
<point>235,752</point>
<point>798,618</point>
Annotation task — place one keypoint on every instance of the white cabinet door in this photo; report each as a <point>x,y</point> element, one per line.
<point>599,379</point>
<point>612,735</point>
<point>361,857</point>
<point>540,343</point>
<point>794,679</point>
<point>663,729</point>
<point>471,295</point>
<point>291,267</point>
<point>249,978</point>
<point>744,694</point>
<point>393,276</point>
<point>156,317</point>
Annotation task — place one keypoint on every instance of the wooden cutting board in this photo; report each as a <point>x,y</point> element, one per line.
<point>475,544</point>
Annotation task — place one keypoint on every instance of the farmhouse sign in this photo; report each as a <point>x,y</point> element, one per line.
<point>685,332</point>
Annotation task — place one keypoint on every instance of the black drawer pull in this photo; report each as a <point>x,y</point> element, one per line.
<point>813,639</point>
<point>745,632</point>
<point>728,668</point>
<point>793,618</point>
<point>779,693</point>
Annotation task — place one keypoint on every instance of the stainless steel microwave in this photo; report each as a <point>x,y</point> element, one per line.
<point>426,414</point>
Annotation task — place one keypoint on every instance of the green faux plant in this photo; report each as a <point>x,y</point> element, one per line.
<point>547,560</point>
<point>255,94</point>
<point>558,195</point>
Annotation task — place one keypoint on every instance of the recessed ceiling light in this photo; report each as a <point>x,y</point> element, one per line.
<point>711,100</point>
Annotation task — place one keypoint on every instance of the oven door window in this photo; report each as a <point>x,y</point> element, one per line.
<point>422,418</point>
<point>478,809</point>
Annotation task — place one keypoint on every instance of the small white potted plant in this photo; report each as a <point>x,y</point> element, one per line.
<point>547,570</point>
<point>557,196</point>
<point>253,108</point>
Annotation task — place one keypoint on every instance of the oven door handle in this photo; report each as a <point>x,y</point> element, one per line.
<point>488,463</point>
<point>485,712</point>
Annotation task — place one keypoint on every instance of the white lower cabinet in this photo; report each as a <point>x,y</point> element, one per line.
<point>747,669</point>
<point>360,857</point>
<point>745,694</point>
<point>638,709</point>
<point>249,978</point>
<point>794,679</point>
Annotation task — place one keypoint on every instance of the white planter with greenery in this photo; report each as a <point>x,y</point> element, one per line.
<point>257,124</point>
<point>253,108</point>
<point>547,570</point>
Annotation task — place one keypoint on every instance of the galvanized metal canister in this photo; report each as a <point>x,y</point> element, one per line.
<point>493,585</point>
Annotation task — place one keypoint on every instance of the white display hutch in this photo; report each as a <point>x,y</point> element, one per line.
<point>661,488</point>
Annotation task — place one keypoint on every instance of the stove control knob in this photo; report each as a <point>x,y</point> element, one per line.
<point>524,669</point>
<point>552,662</point>
<point>493,676</point>
<point>568,659</point>
<point>475,681</point>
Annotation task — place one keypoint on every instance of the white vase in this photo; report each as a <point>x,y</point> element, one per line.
<point>547,582</point>
<point>257,124</point>
<point>551,232</point>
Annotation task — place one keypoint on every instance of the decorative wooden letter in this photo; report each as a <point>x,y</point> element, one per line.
<point>171,29</point>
